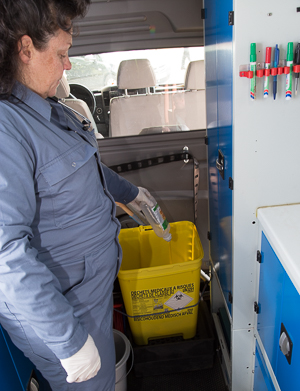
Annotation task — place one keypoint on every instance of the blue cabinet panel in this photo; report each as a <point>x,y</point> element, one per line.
<point>279,303</point>
<point>9,379</point>
<point>218,58</point>
<point>270,300</point>
<point>15,368</point>
<point>262,379</point>
<point>224,98</point>
<point>288,374</point>
<point>212,129</point>
<point>22,364</point>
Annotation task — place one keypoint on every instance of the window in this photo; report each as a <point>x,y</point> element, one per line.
<point>166,107</point>
<point>96,71</point>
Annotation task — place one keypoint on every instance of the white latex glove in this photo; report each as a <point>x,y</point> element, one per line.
<point>143,196</point>
<point>84,364</point>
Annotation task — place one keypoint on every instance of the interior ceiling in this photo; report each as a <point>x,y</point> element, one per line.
<point>113,25</point>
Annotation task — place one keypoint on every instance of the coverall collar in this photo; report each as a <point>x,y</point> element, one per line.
<point>33,100</point>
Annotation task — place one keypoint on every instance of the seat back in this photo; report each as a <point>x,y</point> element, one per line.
<point>157,112</point>
<point>132,112</point>
<point>189,106</point>
<point>80,106</point>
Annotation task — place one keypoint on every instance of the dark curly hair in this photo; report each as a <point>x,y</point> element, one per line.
<point>40,20</point>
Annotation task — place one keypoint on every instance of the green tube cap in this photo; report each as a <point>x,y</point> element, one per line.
<point>289,56</point>
<point>253,52</point>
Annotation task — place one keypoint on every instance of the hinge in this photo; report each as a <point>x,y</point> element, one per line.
<point>256,307</point>
<point>258,256</point>
<point>208,235</point>
<point>206,140</point>
<point>203,13</point>
<point>230,183</point>
<point>230,297</point>
<point>231,18</point>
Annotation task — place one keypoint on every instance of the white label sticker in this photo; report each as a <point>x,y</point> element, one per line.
<point>178,300</point>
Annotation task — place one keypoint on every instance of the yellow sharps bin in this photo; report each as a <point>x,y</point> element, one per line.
<point>160,281</point>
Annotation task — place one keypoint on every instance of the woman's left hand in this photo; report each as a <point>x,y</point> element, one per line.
<point>143,196</point>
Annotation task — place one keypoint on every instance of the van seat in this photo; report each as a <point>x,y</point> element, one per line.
<point>157,112</point>
<point>189,106</point>
<point>63,93</point>
<point>131,113</point>
<point>135,74</point>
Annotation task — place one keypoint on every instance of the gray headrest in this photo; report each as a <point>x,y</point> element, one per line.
<point>63,89</point>
<point>134,74</point>
<point>195,76</point>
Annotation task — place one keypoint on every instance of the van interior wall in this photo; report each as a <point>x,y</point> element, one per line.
<point>138,24</point>
<point>172,183</point>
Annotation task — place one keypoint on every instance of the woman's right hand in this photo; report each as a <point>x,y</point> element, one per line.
<point>84,364</point>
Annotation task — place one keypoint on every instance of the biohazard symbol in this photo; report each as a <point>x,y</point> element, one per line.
<point>178,296</point>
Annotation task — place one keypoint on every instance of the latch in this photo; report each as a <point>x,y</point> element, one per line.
<point>185,151</point>
<point>220,163</point>
<point>33,384</point>
<point>285,343</point>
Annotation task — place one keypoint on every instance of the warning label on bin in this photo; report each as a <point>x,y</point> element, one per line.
<point>179,300</point>
<point>156,301</point>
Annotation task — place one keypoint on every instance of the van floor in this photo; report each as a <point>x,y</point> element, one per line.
<point>152,371</point>
<point>203,380</point>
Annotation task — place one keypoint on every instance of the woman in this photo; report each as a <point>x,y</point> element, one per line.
<point>59,252</point>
